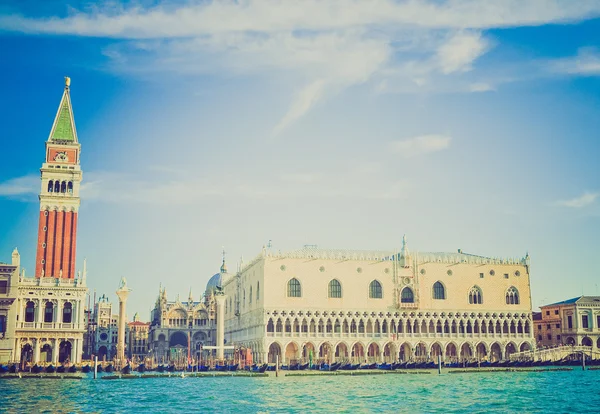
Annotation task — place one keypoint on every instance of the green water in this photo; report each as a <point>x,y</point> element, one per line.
<point>570,391</point>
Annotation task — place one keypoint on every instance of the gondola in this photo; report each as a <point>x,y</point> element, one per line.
<point>171,368</point>
<point>203,368</point>
<point>271,368</point>
<point>232,367</point>
<point>109,368</point>
<point>72,369</point>
<point>99,368</point>
<point>13,369</point>
<point>294,367</point>
<point>36,369</point>
<point>61,369</point>
<point>3,369</point>
<point>50,369</point>
<point>259,369</point>
<point>220,368</point>
<point>85,369</point>
<point>126,369</point>
<point>141,368</point>
<point>385,367</point>
<point>303,367</point>
<point>160,368</point>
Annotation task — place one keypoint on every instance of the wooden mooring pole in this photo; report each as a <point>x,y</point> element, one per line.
<point>95,367</point>
<point>439,364</point>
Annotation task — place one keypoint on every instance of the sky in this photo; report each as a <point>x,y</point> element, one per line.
<point>346,124</point>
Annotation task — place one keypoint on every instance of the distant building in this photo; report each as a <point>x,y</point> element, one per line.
<point>378,306</point>
<point>571,322</point>
<point>174,324</point>
<point>9,277</point>
<point>137,339</point>
<point>103,330</point>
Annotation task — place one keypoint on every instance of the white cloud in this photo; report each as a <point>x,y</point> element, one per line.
<point>481,87</point>
<point>20,186</point>
<point>322,47</point>
<point>421,145</point>
<point>460,51</point>
<point>584,200</point>
<point>586,63</point>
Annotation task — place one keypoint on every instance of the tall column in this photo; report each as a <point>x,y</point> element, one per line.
<point>55,345</point>
<point>79,352</point>
<point>220,326</point>
<point>36,351</point>
<point>123,294</point>
<point>18,350</point>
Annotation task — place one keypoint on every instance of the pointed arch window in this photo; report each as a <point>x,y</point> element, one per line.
<point>70,187</point>
<point>250,296</point>
<point>407,296</point>
<point>512,296</point>
<point>335,289</point>
<point>294,290</point>
<point>375,290</point>
<point>50,186</point>
<point>257,291</point>
<point>475,296</point>
<point>439,292</point>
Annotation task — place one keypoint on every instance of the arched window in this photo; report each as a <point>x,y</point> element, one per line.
<point>407,295</point>
<point>70,187</point>
<point>512,296</point>
<point>50,186</point>
<point>257,291</point>
<point>335,289</point>
<point>244,301</point>
<point>49,313</point>
<point>294,290</point>
<point>250,296</point>
<point>475,296</point>
<point>63,187</point>
<point>375,291</point>
<point>439,292</point>
<point>30,312</point>
<point>67,312</point>
<point>57,186</point>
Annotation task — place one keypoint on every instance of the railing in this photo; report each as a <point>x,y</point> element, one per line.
<point>49,326</point>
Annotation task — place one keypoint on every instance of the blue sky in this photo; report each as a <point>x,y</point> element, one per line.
<point>464,124</point>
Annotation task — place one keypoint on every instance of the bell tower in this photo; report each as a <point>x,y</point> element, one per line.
<point>59,196</point>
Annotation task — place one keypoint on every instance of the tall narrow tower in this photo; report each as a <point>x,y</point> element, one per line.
<point>59,196</point>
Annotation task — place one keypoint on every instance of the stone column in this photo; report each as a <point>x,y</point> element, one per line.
<point>123,294</point>
<point>36,351</point>
<point>55,345</point>
<point>18,346</point>
<point>79,351</point>
<point>220,326</point>
<point>40,314</point>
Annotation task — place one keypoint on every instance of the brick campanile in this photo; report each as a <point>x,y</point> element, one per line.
<point>59,196</point>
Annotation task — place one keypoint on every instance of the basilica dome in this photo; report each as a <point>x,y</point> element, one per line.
<point>214,282</point>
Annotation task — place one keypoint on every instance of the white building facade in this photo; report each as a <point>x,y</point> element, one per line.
<point>379,306</point>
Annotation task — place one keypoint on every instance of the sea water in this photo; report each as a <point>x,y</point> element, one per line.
<point>530,392</point>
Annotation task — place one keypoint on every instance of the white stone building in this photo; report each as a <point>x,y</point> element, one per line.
<point>376,306</point>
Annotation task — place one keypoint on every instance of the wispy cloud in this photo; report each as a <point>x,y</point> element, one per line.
<point>584,200</point>
<point>323,47</point>
<point>585,63</point>
<point>460,51</point>
<point>20,187</point>
<point>420,145</point>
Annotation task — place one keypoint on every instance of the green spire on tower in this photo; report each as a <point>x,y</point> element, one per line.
<point>63,129</point>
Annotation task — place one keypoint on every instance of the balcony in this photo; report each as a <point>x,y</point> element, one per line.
<point>45,326</point>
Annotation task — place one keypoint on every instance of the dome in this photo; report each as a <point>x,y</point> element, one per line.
<point>213,282</point>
